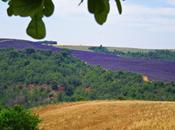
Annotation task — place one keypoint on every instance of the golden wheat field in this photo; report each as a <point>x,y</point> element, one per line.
<point>108,115</point>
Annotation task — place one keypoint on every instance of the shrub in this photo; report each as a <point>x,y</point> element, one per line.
<point>18,118</point>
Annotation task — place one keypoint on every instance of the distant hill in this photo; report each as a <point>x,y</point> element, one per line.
<point>157,54</point>
<point>24,44</point>
<point>123,49</point>
<point>153,69</point>
<point>86,48</point>
<point>108,115</point>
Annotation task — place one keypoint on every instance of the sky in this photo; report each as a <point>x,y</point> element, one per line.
<point>143,24</point>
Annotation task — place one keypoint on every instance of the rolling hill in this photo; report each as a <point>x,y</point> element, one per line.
<point>108,115</point>
<point>123,49</point>
<point>154,69</point>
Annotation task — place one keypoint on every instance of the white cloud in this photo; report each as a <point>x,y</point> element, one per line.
<point>171,2</point>
<point>69,7</point>
<point>149,18</point>
<point>134,15</point>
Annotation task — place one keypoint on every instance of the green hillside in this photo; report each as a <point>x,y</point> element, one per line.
<point>32,77</point>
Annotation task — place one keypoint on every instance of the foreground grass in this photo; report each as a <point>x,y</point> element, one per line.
<point>108,115</point>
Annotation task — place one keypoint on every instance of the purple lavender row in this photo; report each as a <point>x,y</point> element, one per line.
<point>154,69</point>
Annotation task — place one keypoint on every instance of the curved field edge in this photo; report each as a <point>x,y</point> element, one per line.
<point>108,115</point>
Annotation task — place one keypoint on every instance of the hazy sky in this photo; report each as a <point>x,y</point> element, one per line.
<point>143,24</point>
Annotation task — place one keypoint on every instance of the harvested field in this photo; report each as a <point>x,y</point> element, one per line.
<point>108,115</point>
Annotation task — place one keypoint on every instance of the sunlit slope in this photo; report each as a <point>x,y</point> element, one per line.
<point>123,49</point>
<point>108,115</point>
<point>86,48</point>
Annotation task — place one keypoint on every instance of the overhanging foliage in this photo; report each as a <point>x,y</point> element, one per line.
<point>37,9</point>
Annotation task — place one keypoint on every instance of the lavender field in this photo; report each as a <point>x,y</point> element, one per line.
<point>154,69</point>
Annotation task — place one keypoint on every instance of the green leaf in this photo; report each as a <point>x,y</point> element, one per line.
<point>92,5</point>
<point>36,28</point>
<point>97,6</point>
<point>101,6</point>
<point>119,6</point>
<point>48,8</point>
<point>25,7</point>
<point>101,18</point>
<point>10,11</point>
<point>101,11</point>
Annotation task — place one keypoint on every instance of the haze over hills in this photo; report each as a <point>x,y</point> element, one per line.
<point>154,69</point>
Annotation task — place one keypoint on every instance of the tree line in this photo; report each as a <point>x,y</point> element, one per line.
<point>152,54</point>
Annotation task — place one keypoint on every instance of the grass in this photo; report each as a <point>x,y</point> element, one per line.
<point>74,47</point>
<point>86,48</point>
<point>108,115</point>
<point>123,49</point>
